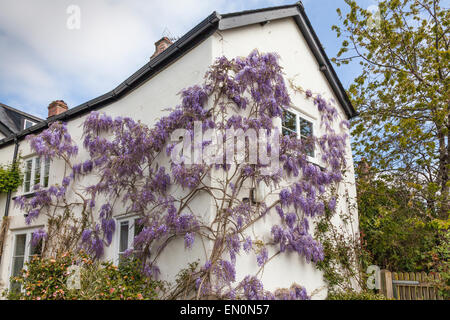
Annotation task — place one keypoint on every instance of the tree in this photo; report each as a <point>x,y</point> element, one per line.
<point>394,232</point>
<point>402,94</point>
<point>130,168</point>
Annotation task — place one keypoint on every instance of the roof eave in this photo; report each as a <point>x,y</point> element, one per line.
<point>22,113</point>
<point>325,65</point>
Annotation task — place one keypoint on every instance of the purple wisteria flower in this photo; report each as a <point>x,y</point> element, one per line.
<point>332,204</point>
<point>125,156</point>
<point>189,240</point>
<point>37,236</point>
<point>262,257</point>
<point>248,244</point>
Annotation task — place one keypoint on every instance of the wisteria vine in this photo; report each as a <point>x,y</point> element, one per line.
<point>125,157</point>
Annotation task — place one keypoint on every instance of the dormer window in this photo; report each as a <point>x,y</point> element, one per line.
<point>36,172</point>
<point>27,124</point>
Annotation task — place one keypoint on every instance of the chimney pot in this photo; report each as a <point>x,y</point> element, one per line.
<point>161,45</point>
<point>56,107</point>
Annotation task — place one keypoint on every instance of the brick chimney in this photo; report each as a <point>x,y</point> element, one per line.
<point>56,107</point>
<point>161,45</point>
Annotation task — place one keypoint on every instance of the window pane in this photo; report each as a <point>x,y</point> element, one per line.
<point>28,124</point>
<point>27,178</point>
<point>37,170</point>
<point>17,265</point>
<point>123,245</point>
<point>19,250</point>
<point>36,250</point>
<point>306,131</point>
<point>287,132</point>
<point>310,150</point>
<point>289,122</point>
<point>46,172</point>
<point>18,259</point>
<point>17,268</point>
<point>137,227</point>
<point>306,128</point>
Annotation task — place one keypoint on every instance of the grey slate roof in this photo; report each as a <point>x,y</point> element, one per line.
<point>12,119</point>
<point>203,30</point>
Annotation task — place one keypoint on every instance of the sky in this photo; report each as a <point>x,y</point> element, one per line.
<point>45,55</point>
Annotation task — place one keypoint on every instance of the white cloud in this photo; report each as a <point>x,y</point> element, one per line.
<point>42,60</point>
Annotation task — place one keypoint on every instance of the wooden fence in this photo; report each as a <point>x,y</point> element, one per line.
<point>409,285</point>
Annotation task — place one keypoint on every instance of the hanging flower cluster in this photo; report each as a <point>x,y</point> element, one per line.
<point>53,142</point>
<point>126,157</point>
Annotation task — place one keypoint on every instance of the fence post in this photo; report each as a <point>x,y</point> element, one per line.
<point>386,284</point>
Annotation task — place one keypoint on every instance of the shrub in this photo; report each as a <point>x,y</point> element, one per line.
<point>353,295</point>
<point>10,177</point>
<point>46,278</point>
<point>440,257</point>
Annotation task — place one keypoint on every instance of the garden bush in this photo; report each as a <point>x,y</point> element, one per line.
<point>47,278</point>
<point>353,295</point>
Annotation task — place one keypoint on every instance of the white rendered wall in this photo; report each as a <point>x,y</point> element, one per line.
<point>284,38</point>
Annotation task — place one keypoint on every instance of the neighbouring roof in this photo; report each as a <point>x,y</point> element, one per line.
<point>200,32</point>
<point>12,119</point>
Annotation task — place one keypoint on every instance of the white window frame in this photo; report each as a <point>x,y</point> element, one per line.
<point>131,229</point>
<point>27,254</point>
<point>313,121</point>
<point>43,165</point>
<point>25,123</point>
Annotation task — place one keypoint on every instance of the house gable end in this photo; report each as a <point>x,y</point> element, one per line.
<point>297,12</point>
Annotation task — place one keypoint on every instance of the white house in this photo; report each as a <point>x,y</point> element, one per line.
<point>285,30</point>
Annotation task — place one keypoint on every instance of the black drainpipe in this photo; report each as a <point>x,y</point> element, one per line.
<point>8,197</point>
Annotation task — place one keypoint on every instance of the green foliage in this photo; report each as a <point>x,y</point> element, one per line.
<point>47,279</point>
<point>185,282</point>
<point>440,261</point>
<point>353,295</point>
<point>402,93</point>
<point>402,133</point>
<point>10,177</point>
<point>345,258</point>
<point>396,231</point>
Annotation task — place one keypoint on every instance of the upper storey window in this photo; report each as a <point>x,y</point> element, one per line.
<point>36,172</point>
<point>292,122</point>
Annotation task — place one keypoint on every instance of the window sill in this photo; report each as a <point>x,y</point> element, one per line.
<point>315,162</point>
<point>26,195</point>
